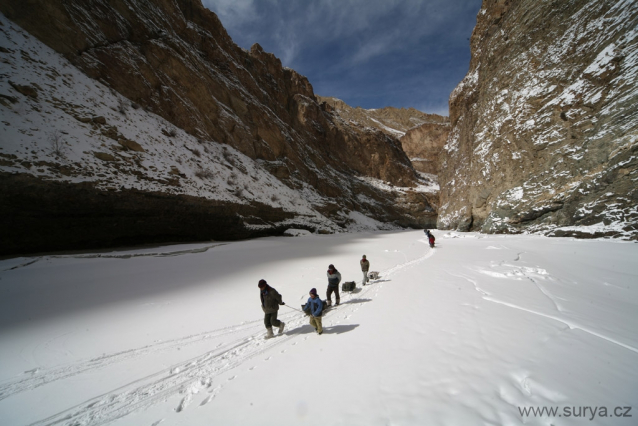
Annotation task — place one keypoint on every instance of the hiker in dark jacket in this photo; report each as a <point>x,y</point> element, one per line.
<point>315,306</point>
<point>270,301</point>
<point>365,267</point>
<point>334,278</point>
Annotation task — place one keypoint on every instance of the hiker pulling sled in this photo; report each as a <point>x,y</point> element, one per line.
<point>334,278</point>
<point>365,267</point>
<point>314,308</point>
<point>270,301</point>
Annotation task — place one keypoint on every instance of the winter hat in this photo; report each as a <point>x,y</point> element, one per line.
<point>364,256</point>
<point>262,284</point>
<point>313,291</point>
<point>331,266</point>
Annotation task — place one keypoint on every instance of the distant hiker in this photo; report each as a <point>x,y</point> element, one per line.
<point>315,306</point>
<point>365,267</point>
<point>430,237</point>
<point>334,278</point>
<point>270,301</point>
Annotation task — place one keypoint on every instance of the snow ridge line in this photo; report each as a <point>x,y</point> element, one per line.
<point>132,255</point>
<point>197,372</point>
<point>572,326</point>
<point>23,265</point>
<point>116,256</point>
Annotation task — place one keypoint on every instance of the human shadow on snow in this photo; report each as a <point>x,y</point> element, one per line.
<point>353,301</point>
<point>334,329</point>
<point>338,329</point>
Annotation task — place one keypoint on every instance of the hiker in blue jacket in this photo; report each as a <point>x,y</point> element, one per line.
<point>315,306</point>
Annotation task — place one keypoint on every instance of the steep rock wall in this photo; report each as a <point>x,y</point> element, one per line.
<point>423,145</point>
<point>545,124</point>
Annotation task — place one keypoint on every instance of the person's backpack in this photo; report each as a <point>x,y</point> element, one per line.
<point>348,286</point>
<point>307,310</point>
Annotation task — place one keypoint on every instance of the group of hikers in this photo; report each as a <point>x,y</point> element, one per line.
<point>271,299</point>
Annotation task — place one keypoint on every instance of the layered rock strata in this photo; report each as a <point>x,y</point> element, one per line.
<point>545,124</point>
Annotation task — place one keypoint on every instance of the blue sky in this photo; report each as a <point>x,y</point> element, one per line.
<point>369,53</point>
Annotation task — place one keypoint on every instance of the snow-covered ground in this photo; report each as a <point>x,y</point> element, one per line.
<point>469,333</point>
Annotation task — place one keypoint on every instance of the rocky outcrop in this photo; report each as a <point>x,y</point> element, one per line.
<point>545,124</point>
<point>391,121</point>
<point>422,135</point>
<point>424,143</point>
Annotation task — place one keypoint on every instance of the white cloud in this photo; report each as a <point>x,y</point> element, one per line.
<point>233,13</point>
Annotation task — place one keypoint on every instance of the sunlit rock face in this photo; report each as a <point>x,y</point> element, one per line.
<point>422,135</point>
<point>423,144</point>
<point>544,131</point>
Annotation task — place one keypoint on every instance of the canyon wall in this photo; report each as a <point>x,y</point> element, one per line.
<point>220,116</point>
<point>544,133</point>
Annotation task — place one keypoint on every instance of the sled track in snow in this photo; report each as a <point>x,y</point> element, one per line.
<point>187,377</point>
<point>198,372</point>
<point>42,377</point>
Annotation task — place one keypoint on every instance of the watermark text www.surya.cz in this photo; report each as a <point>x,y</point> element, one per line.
<point>587,412</point>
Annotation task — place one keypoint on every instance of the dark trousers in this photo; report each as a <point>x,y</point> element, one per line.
<point>270,320</point>
<point>335,289</point>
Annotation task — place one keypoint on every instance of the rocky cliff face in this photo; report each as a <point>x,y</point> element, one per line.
<point>545,124</point>
<point>174,107</point>
<point>391,121</point>
<point>422,135</point>
<point>423,144</point>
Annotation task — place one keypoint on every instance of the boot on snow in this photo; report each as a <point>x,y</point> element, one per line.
<point>269,334</point>
<point>281,327</point>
